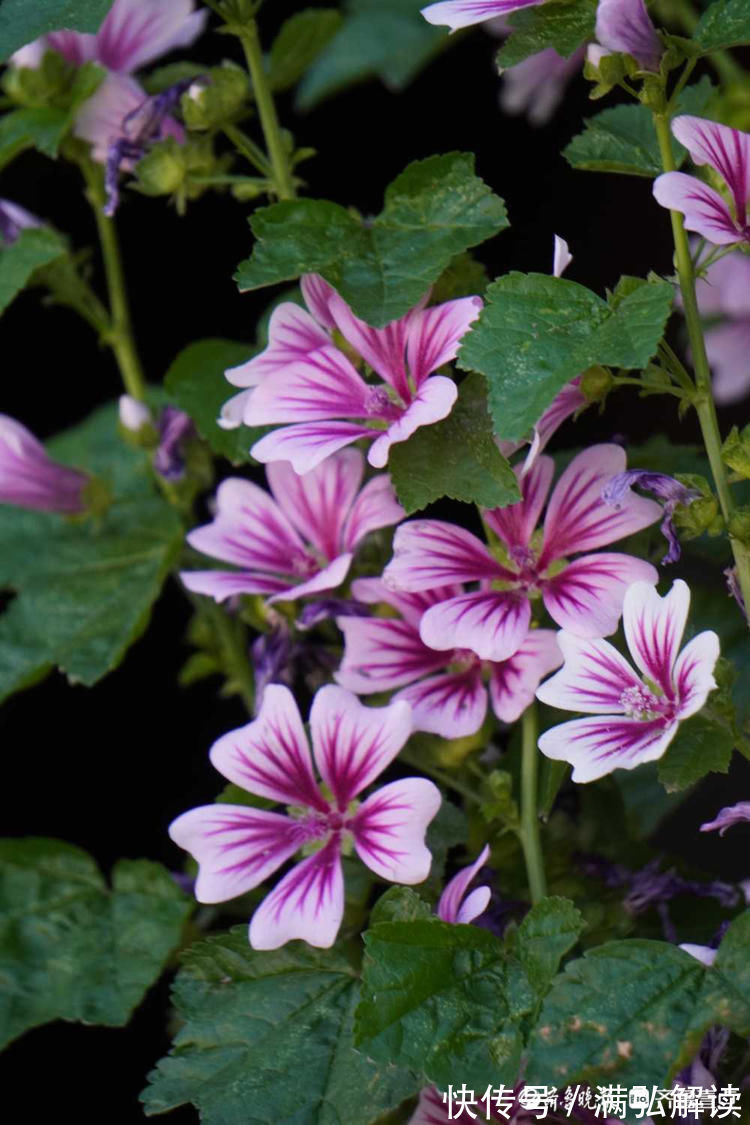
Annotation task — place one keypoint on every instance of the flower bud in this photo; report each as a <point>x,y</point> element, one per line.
<point>134,415</point>
<point>596,383</point>
<point>736,451</point>
<point>216,100</point>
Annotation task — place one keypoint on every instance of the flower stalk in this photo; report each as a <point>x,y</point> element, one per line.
<point>530,839</point>
<point>282,174</point>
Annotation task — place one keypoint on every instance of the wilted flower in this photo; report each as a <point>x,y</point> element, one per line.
<point>670,491</point>
<point>727,817</point>
<point>29,478</point>
<point>624,25</point>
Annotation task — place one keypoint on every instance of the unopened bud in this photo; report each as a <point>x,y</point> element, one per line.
<point>596,383</point>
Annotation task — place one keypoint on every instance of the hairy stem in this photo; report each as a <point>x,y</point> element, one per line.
<point>282,175</point>
<point>530,840</point>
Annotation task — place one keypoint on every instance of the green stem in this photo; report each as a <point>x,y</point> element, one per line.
<point>530,840</point>
<point>704,402</point>
<point>657,388</point>
<point>446,779</point>
<point>249,149</point>
<point>282,174</point>
<point>230,635</point>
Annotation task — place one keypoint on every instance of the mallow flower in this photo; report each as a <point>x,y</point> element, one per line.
<point>583,596</point>
<point>632,717</point>
<point>727,817</point>
<point>725,150</point>
<point>624,26</point>
<point>447,690</point>
<point>29,478</point>
<point>298,540</point>
<point>237,847</point>
<point>306,384</point>
<point>673,493</point>
<point>465,13</point>
<point>724,300</point>
<point>14,219</point>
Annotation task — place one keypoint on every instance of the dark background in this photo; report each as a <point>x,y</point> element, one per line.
<point>122,761</point>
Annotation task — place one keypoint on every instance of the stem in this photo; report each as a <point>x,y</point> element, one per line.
<point>532,847</point>
<point>446,779</point>
<point>267,111</point>
<point>704,401</point>
<point>249,149</point>
<point>230,635</point>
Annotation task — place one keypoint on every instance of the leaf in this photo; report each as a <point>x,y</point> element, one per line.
<point>622,1010</point>
<point>72,948</point>
<point>266,1040</point>
<point>456,457</point>
<point>564,25</point>
<point>726,993</point>
<point>196,383</point>
<point>434,210</point>
<point>84,590</point>
<point>21,22</point>
<point>298,44</point>
<point>725,24</point>
<point>34,247</point>
<point>41,128</point>
<point>385,39</point>
<point>536,333</point>
<point>546,934</point>
<point>703,744</point>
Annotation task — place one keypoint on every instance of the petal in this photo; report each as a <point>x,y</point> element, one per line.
<point>318,503</point>
<point>577,518</point>
<point>693,673</point>
<point>449,906</point>
<point>233,411</point>
<point>704,209</point>
<point>376,506</point>
<point>431,1109</point>
<point>318,295</point>
<point>321,386</point>
<point>516,523</point>
<point>474,904</point>
<point>352,743</point>
<point>307,904</point>
<point>411,606</point>
<point>308,444</point>
<point>433,402</point>
<point>236,847</point>
<point>75,46</point>
<point>597,745</point>
<point>249,530</point>
<point>536,86</point>
<point>389,829</point>
<point>624,25</point>
<point>490,623</point>
<point>570,399</point>
<point>586,597</point>
<point>223,584</point>
<point>562,256</point>
<point>703,953</point>
<point>328,578</point>
<point>453,705</point>
<point>725,149</point>
<point>292,336</point>
<point>136,32</point>
<point>100,118</point>
<point>728,350</point>
<point>592,679</point>
<point>727,817</point>
<point>381,654</point>
<point>383,349</point>
<point>513,683</point>
<point>435,333</point>
<point>270,756</point>
<point>464,13</point>
<point>429,553</point>
<point>654,627</point>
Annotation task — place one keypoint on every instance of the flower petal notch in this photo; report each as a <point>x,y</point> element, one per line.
<point>456,14</point>
<point>633,718</point>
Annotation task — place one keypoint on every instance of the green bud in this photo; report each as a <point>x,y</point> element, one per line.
<point>596,383</point>
<point>735,451</point>
<point>216,102</point>
<point>42,86</point>
<point>700,516</point>
<point>162,169</point>
<point>739,525</point>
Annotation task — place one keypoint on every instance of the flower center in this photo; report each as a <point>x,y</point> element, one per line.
<point>639,702</point>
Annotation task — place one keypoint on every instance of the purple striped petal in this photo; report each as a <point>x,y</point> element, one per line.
<point>727,817</point>
<point>376,506</point>
<point>705,211</point>
<point>292,336</point>
<point>389,829</point>
<point>724,149</point>
<point>328,578</point>
<point>434,335</point>
<point>236,847</point>
<point>431,1109</point>
<point>429,553</point>
<point>270,756</point>
<point>433,402</point>
<point>578,519</point>
<point>308,904</point>
<point>352,743</point>
<point>515,524</point>
<point>592,679</point>
<point>493,624</point>
<point>308,444</point>
<point>324,385</point>
<point>536,86</point>
<point>453,705</point>
<point>624,25</point>
<point>135,32</point>
<point>223,584</point>
<point>29,478</point>
<point>728,349</point>
<point>514,682</point>
<point>100,119</point>
<point>381,654</point>
<point>411,606</point>
<point>597,745</point>
<point>570,399</point>
<point>464,13</point>
<point>383,349</point>
<point>693,672</point>
<point>450,908</point>
<point>318,295</point>
<point>653,629</point>
<point>317,504</point>
<point>586,597</point>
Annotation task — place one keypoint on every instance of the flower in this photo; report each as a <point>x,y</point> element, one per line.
<point>455,905</point>
<point>175,429</point>
<point>624,25</point>
<point>237,847</point>
<point>724,293</point>
<point>29,478</point>
<point>728,817</point>
<point>727,151</point>
<point>446,690</point>
<point>671,491</point>
<point>536,86</point>
<point>633,718</point>
<point>303,378</point>
<point>465,13</point>
<point>14,219</point>
<point>703,953</point>
<point>583,596</point>
<point>296,541</point>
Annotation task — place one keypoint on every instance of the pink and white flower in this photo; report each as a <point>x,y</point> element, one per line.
<point>303,378</point>
<point>29,478</point>
<point>465,13</point>
<point>300,539</point>
<point>725,150</point>
<point>237,848</point>
<point>458,907</point>
<point>633,718</point>
<point>447,691</point>
<point>728,817</point>
<point>584,596</point>
<point>624,25</point>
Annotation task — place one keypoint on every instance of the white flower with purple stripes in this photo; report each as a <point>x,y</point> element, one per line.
<point>465,13</point>
<point>238,848</point>
<point>632,718</point>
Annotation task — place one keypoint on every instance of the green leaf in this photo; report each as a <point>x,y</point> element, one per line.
<point>726,992</point>
<point>536,333</point>
<point>546,934</point>
<point>400,904</point>
<point>622,1010</point>
<point>385,39</point>
<point>703,744</point>
<point>298,44</point>
<point>71,948</point>
<point>84,590</point>
<point>562,24</point>
<point>434,210</point>
<point>41,128</point>
<point>725,24</point>
<point>196,383</point>
<point>266,1040</point>
<point>456,457</point>
<point>20,21</point>
<point>34,247</point>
